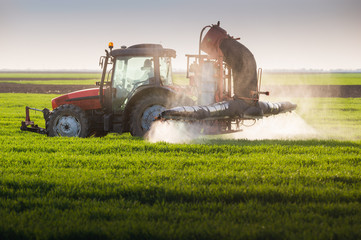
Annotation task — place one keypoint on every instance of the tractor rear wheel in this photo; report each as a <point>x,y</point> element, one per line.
<point>67,121</point>
<point>144,113</point>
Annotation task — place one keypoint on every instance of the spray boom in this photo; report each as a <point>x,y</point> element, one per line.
<point>228,85</point>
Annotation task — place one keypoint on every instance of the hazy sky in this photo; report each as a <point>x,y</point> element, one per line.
<point>282,34</point>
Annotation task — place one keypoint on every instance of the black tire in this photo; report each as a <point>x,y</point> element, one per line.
<point>144,113</point>
<point>67,121</point>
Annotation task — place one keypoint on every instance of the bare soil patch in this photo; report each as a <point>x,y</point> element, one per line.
<point>42,79</point>
<point>41,88</point>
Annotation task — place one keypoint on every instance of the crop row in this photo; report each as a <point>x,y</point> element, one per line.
<point>122,187</point>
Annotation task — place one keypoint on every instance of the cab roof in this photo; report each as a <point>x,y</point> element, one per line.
<point>144,50</point>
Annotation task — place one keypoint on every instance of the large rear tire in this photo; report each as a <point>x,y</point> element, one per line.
<point>67,121</point>
<point>144,113</point>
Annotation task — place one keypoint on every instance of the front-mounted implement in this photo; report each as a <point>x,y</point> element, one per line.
<point>29,125</point>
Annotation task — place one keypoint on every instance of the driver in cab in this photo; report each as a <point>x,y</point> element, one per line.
<point>148,71</point>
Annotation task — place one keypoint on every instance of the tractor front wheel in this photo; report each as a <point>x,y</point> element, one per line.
<point>144,113</point>
<point>67,121</point>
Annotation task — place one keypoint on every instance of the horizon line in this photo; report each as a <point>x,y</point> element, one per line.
<point>337,70</point>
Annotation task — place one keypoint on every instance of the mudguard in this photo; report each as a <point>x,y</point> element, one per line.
<point>87,99</point>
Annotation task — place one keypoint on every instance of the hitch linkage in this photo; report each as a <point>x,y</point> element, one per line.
<point>29,125</point>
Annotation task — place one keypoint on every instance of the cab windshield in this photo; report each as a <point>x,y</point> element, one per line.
<point>131,71</point>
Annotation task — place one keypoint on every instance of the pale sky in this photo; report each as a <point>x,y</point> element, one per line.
<point>282,34</point>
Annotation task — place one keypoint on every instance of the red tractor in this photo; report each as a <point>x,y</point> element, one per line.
<point>138,89</point>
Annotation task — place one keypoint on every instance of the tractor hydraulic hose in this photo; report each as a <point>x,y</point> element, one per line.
<point>200,39</point>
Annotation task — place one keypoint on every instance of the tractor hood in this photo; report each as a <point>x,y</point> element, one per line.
<point>87,99</point>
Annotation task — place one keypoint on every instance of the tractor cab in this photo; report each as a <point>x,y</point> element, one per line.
<point>135,87</point>
<point>135,68</point>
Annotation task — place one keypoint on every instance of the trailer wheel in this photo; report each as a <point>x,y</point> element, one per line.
<point>144,113</point>
<point>67,121</point>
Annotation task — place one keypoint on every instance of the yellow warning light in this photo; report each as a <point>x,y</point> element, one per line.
<point>110,45</point>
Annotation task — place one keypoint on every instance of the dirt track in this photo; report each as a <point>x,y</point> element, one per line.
<point>43,79</point>
<point>40,88</point>
<point>344,91</point>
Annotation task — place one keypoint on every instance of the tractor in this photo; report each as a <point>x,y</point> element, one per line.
<point>138,89</point>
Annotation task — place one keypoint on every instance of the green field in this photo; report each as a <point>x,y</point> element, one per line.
<point>269,78</point>
<point>40,75</point>
<point>335,118</point>
<point>48,78</point>
<point>311,79</point>
<point>55,82</point>
<point>120,187</point>
<point>180,78</point>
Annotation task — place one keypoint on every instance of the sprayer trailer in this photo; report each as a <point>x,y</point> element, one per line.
<point>223,92</point>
